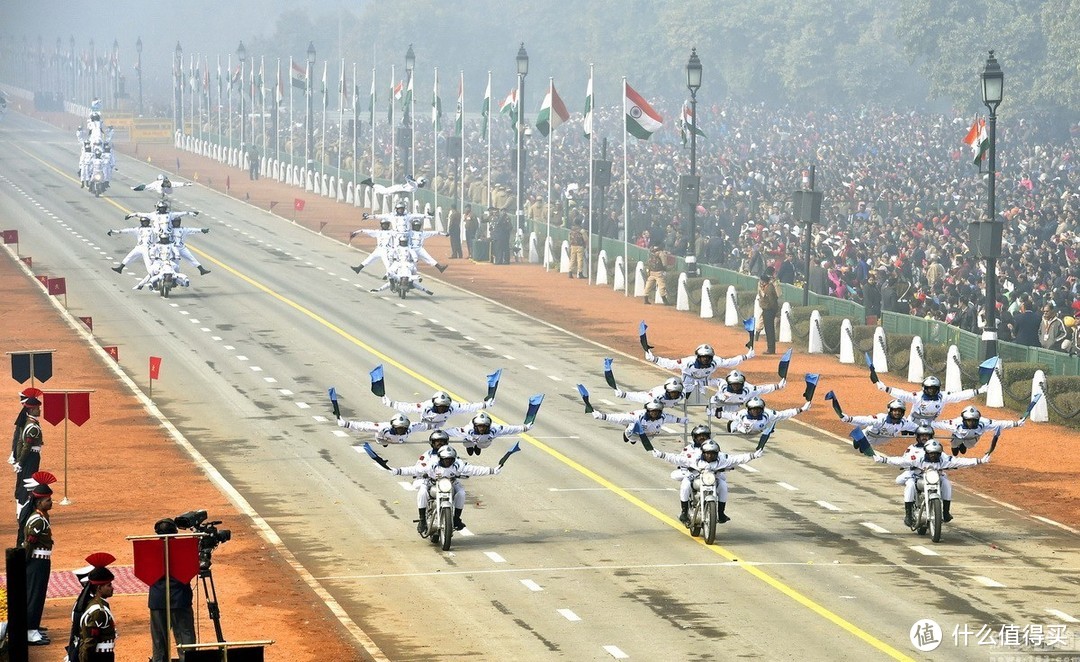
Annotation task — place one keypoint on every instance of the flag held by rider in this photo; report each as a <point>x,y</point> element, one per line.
<point>642,337</point>
<point>811,384</point>
<point>332,392</point>
<point>765,438</point>
<point>608,374</point>
<point>749,327</point>
<point>378,387</point>
<point>835,403</point>
<point>584,393</point>
<point>640,433</point>
<point>870,364</point>
<point>534,408</point>
<point>785,362</point>
<point>506,456</point>
<point>987,368</point>
<point>860,442</point>
<point>375,456</point>
<point>493,384</point>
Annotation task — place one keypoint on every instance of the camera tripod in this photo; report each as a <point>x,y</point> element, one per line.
<point>206,578</point>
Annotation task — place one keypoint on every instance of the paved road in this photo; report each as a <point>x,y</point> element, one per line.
<point>573,552</point>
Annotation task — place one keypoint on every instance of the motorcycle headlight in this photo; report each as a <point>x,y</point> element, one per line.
<point>97,176</point>
<point>932,477</point>
<point>446,485</point>
<point>697,483</point>
<point>708,478</point>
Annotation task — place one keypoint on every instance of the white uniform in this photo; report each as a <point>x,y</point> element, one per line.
<point>964,438</point>
<point>730,401</point>
<point>84,163</point>
<point>741,423</point>
<point>178,235</point>
<point>924,410</point>
<point>880,427</point>
<point>695,466</point>
<point>637,417</point>
<point>163,258</point>
<point>431,471</point>
<point>470,438</point>
<point>433,418</point>
<point>694,375</point>
<point>917,466</point>
<point>384,433</point>
<point>144,239</point>
<point>657,394</point>
<point>385,240</point>
<point>110,162</point>
<point>163,186</point>
<point>416,242</point>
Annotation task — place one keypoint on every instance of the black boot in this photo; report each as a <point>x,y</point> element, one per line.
<point>909,514</point>
<point>458,524</point>
<point>470,450</point>
<point>720,516</point>
<point>118,268</point>
<point>684,515</point>
<point>478,449</point>
<point>203,270</point>
<point>961,449</point>
<point>357,269</point>
<point>665,301</point>
<point>421,526</point>
<point>945,514</point>
<point>440,267</point>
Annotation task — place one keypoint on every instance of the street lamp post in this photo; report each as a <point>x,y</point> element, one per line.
<point>310,122</point>
<point>178,67</point>
<point>241,54</point>
<point>410,66</point>
<point>138,66</point>
<point>522,71</point>
<point>58,61</point>
<point>93,71</point>
<point>989,229</point>
<point>692,185</point>
<point>115,64</point>
<point>74,69</point>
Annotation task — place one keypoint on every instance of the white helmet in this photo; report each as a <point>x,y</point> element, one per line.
<point>673,385</point>
<point>654,407</point>
<point>482,420</point>
<point>400,424</point>
<point>755,403</point>
<point>440,402</point>
<point>447,456</point>
<point>931,383</point>
<point>735,377</point>
<point>971,414</point>
<point>704,352</point>
<point>708,447</point>
<point>933,450</point>
<point>897,405</point>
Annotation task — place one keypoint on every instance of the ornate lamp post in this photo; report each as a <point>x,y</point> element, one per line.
<point>989,229</point>
<point>241,54</point>
<point>692,185</point>
<point>522,71</point>
<point>310,119</point>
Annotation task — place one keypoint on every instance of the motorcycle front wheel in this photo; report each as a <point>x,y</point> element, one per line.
<point>165,289</point>
<point>710,522</point>
<point>402,290</point>
<point>935,520</point>
<point>447,532</point>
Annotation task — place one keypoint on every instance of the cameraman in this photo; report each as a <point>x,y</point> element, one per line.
<point>180,597</point>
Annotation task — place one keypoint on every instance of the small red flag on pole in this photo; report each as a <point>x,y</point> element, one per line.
<point>29,261</point>
<point>113,351</point>
<point>89,322</point>
<point>44,280</point>
<point>155,372</point>
<point>298,204</point>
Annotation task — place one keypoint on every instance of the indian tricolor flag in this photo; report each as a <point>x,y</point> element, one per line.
<point>552,112</point>
<point>641,120</point>
<point>977,140</point>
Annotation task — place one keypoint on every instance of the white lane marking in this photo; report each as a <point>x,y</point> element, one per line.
<point>489,348</point>
<point>1051,522</point>
<point>604,489</point>
<point>417,312</point>
<point>604,401</point>
<point>495,558</point>
<point>256,368</point>
<point>321,419</point>
<point>450,328</point>
<point>269,380</point>
<point>1063,616</point>
<point>303,405</point>
<point>215,338</point>
<point>469,338</point>
<point>555,378</point>
<point>193,320</point>
<point>183,312</point>
<point>747,467</point>
<point>284,391</point>
<point>786,486</point>
<point>343,278</point>
<point>400,305</point>
<point>229,347</point>
<point>241,357</point>
<point>508,357</point>
<point>530,367</point>
<point>174,305</point>
<point>568,615</point>
<point>533,586</point>
<point>341,433</point>
<point>924,550</point>
<point>614,652</point>
<point>205,329</point>
<point>433,320</point>
<point>826,505</point>
<point>874,527</point>
<point>989,583</point>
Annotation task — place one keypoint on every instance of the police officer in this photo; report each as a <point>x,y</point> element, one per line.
<point>20,420</point>
<point>145,237</point>
<point>657,268</point>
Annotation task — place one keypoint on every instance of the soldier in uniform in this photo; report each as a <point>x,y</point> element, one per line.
<point>38,543</point>
<point>27,450</point>
<point>20,420</point>
<point>577,251</point>
<point>95,561</point>
<point>657,268</point>
<point>97,627</point>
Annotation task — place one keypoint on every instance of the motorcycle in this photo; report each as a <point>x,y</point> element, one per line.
<point>168,276</point>
<point>703,508</point>
<point>98,183</point>
<point>928,513</point>
<point>440,512</point>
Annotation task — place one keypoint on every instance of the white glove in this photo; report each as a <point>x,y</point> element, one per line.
<point>599,416</point>
<point>846,419</point>
<point>387,401</point>
<point>881,386</point>
<point>619,393</point>
<point>649,356</point>
<point>985,459</point>
<point>17,467</point>
<point>782,383</point>
<point>657,453</point>
<point>805,407</point>
<point>11,459</point>
<point>342,423</point>
<point>750,354</point>
<point>757,453</point>
<point>881,459</point>
<point>396,471</point>
<point>982,389</point>
<point>353,233</point>
<point>1020,423</point>
<point>496,470</point>
<point>529,427</point>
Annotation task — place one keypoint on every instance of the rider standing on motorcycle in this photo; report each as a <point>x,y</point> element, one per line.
<point>969,426</point>
<point>651,420</point>
<point>757,418</point>
<point>84,164</point>
<point>178,233</point>
<point>397,430</point>
<point>385,239</point>
<point>145,237</point>
<point>927,403</point>
<point>711,460</point>
<point>480,435</point>
<point>439,409</point>
<point>734,392</point>
<point>669,394</point>
<point>448,466</point>
<point>417,235</point>
<point>882,427</point>
<point>163,255</point>
<point>161,218</point>
<point>402,267</point>
<point>933,458</point>
<point>697,369</point>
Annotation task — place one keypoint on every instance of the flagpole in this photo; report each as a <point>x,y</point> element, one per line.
<point>341,120</point>
<point>412,125</point>
<point>372,128</point>
<point>626,201</point>
<point>551,113</point>
<point>262,101</point>
<point>322,138</point>
<point>435,130</point>
<point>191,101</point>
<point>230,111</point>
<point>393,136</point>
<point>461,158</point>
<point>221,136</point>
<point>592,103</point>
<point>292,124</point>
<point>488,140</point>
<point>355,129</point>
<point>278,91</point>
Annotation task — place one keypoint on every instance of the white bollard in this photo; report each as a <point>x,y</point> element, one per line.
<point>1041,412</point>
<point>682,298</point>
<point>534,249</point>
<point>350,196</point>
<point>564,257</point>
<point>952,372</point>
<point>331,187</point>
<point>915,368</point>
<point>549,253</point>
<point>439,227</point>
<point>289,179</point>
<point>340,191</point>
<point>367,198</point>
<point>309,182</point>
<point>262,165</point>
<point>731,313</point>
<point>847,345</point>
<point>656,297</point>
<point>759,317</point>
<point>639,279</point>
<point>619,279</point>
<point>706,299</point>
<point>815,344</point>
<point>601,268</point>
<point>879,355</point>
<point>995,390</point>
<point>416,206</point>
<point>326,185</point>
<point>386,204</point>
<point>785,323</point>
<point>316,187</point>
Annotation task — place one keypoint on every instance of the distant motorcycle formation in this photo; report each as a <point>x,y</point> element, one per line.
<point>96,160</point>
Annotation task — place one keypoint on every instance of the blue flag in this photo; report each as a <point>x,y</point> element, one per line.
<point>333,401</point>
<point>870,364</point>
<point>584,393</point>
<point>608,374</point>
<point>860,443</point>
<point>644,339</point>
<point>640,433</point>
<point>378,387</point>
<point>493,384</point>
<point>835,403</point>
<point>785,362</point>
<point>375,456</point>
<point>748,324</point>
<point>811,384</point>
<point>506,456</point>
<point>534,407</point>
<point>987,368</point>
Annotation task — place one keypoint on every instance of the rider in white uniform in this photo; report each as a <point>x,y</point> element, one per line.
<point>711,460</point>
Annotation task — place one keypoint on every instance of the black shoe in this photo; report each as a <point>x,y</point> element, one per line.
<point>909,515</point>
<point>647,301</point>
<point>203,270</point>
<point>962,449</point>
<point>44,641</point>
<point>684,517</point>
<point>571,276</point>
<point>479,450</point>
<point>357,269</point>
<point>665,301</point>
<point>440,267</point>
<point>421,528</point>
<point>118,269</point>
<point>458,524</point>
<point>946,516</point>
<point>581,275</point>
<point>470,450</point>
<point>720,516</point>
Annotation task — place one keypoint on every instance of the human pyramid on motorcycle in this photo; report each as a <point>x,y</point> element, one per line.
<point>399,244</point>
<point>96,160</point>
<point>160,242</point>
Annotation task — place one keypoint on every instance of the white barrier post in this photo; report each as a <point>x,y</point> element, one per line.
<point>847,344</point>
<point>619,279</point>
<point>706,299</point>
<point>952,371</point>
<point>534,250</point>
<point>995,390</point>
<point>309,182</point>
<point>731,313</point>
<point>639,279</point>
<point>880,356</point>
<point>340,190</point>
<point>350,197</point>
<point>1041,412</point>
<point>785,323</point>
<point>564,257</point>
<point>327,189</point>
<point>549,253</point>
<point>815,344</point>
<point>915,368</point>
<point>759,317</point>
<point>416,206</point>
<point>601,268</point>
<point>682,298</point>
<point>386,204</point>
<point>331,187</point>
